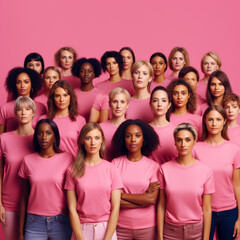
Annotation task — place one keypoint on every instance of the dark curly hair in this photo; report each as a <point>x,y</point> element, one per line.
<point>34,57</point>
<point>159,54</point>
<point>73,106</point>
<point>192,101</point>
<point>93,61</point>
<point>112,54</point>
<point>10,83</point>
<point>151,140</point>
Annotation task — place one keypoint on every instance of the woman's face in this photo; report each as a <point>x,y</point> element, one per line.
<point>112,66</point>
<point>127,59</point>
<point>184,142</point>
<point>191,79</point>
<point>24,114</point>
<point>35,65</point>
<point>209,65</point>
<point>50,77</point>
<point>178,61</point>
<point>232,110</point>
<point>133,138</point>
<point>66,59</point>
<point>86,73</point>
<point>45,136</point>
<point>217,89</point>
<point>160,103</point>
<point>180,96</point>
<point>61,98</point>
<point>141,77</point>
<point>93,141</point>
<point>158,65</point>
<point>214,122</point>
<point>119,105</point>
<point>23,85</point>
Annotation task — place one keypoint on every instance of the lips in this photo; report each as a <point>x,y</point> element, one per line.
<point>44,143</point>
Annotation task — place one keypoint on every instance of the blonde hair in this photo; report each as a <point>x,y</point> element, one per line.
<point>188,127</point>
<point>119,90</point>
<point>26,102</point>
<point>52,68</point>
<point>214,56</point>
<point>58,54</point>
<point>181,50</point>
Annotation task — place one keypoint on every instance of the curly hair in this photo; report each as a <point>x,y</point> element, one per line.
<point>10,83</point>
<point>58,54</point>
<point>192,101</point>
<point>151,140</point>
<point>73,106</point>
<point>34,57</point>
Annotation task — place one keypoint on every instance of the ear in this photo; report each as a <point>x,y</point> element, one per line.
<point>169,105</point>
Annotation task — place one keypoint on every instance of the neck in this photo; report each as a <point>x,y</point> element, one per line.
<point>115,78</point>
<point>175,73</point>
<point>142,93</point>
<point>117,120</point>
<point>134,157</point>
<point>47,153</point>
<point>218,101</point>
<point>186,160</point>
<point>159,121</point>
<point>160,78</point>
<point>206,78</point>
<point>92,159</point>
<point>62,113</point>
<point>87,87</point>
<point>215,139</point>
<point>232,124</point>
<point>180,111</point>
<point>46,92</point>
<point>126,74</point>
<point>25,129</point>
<point>66,72</point>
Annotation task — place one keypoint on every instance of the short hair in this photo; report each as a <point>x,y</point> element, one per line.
<point>130,50</point>
<point>73,106</point>
<point>187,70</point>
<point>151,140</point>
<point>55,130</point>
<point>26,102</point>
<point>214,56</point>
<point>79,165</point>
<point>53,68</point>
<point>119,90</point>
<point>181,50</point>
<point>93,61</point>
<point>185,126</point>
<point>231,98</point>
<point>112,54</point>
<point>161,88</point>
<point>58,54</point>
<point>192,101</point>
<point>222,77</point>
<point>159,54</point>
<point>34,57</point>
<point>10,83</point>
<point>220,110</point>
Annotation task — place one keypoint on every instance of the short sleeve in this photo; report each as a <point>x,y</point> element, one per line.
<point>2,116</point>
<point>101,102</point>
<point>116,178</point>
<point>69,182</point>
<point>155,171</point>
<point>161,178</point>
<point>236,160</point>
<point>209,183</point>
<point>23,171</point>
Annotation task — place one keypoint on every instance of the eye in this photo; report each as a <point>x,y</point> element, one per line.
<point>26,81</point>
<point>127,135</point>
<point>154,100</point>
<point>38,64</point>
<point>97,137</point>
<point>39,133</point>
<point>87,138</point>
<point>49,132</point>
<point>175,93</point>
<point>138,135</point>
<point>164,100</point>
<point>153,63</point>
<point>178,140</point>
<point>188,140</point>
<point>122,101</point>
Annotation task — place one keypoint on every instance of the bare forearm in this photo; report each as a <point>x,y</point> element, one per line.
<point>161,214</point>
<point>207,216</point>
<point>76,225</point>
<point>112,224</point>
<point>126,204</point>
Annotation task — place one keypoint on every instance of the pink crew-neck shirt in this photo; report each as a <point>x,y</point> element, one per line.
<point>43,99</point>
<point>222,159</point>
<point>200,103</point>
<point>74,81</point>
<point>136,177</point>
<point>202,89</point>
<point>184,187</point>
<point>12,150</point>
<point>46,176</point>
<point>234,135</point>
<point>155,84</point>
<point>94,190</point>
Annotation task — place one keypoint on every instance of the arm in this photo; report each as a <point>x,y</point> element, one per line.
<point>2,128</point>
<point>236,187</point>
<point>94,115</point>
<point>2,209</point>
<point>73,215</point>
<point>103,115</point>
<point>129,205</point>
<point>207,215</point>
<point>160,214</point>
<point>112,223</point>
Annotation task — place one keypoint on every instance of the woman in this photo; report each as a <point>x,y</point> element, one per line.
<point>178,58</point>
<point>183,105</point>
<point>210,63</point>
<point>112,62</point>
<point>64,58</point>
<point>159,64</point>
<point>223,157</point>
<point>92,103</point>
<point>118,102</point>
<point>20,82</point>
<point>186,186</point>
<point>62,109</point>
<point>93,188</point>
<point>132,143</point>
<point>160,104</point>
<point>35,62</point>
<point>10,162</point>
<point>50,76</point>
<point>43,197</point>
<point>128,60</point>
<point>142,73</point>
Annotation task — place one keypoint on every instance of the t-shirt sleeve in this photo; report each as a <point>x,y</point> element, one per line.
<point>2,116</point>
<point>161,178</point>
<point>101,102</point>
<point>23,171</point>
<point>209,183</point>
<point>116,178</point>
<point>155,172</point>
<point>236,163</point>
<point>69,183</point>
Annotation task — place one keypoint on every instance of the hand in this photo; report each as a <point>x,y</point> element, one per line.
<point>236,230</point>
<point>153,186</point>
<point>2,215</point>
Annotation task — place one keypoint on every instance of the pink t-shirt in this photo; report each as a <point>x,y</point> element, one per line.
<point>234,135</point>
<point>139,109</point>
<point>222,159</point>
<point>46,176</point>
<point>101,101</point>
<point>200,103</point>
<point>167,150</point>
<point>108,129</point>
<point>74,81</point>
<point>184,187</point>
<point>9,119</point>
<point>69,131</point>
<point>42,99</point>
<point>12,150</point>
<point>193,119</point>
<point>94,190</point>
<point>171,78</point>
<point>202,89</point>
<point>136,177</point>
<point>155,84</point>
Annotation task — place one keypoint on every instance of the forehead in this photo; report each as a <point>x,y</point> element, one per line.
<point>44,126</point>
<point>184,134</point>
<point>66,53</point>
<point>125,52</point>
<point>133,128</point>
<point>178,54</point>
<point>160,94</point>
<point>209,59</point>
<point>86,65</point>
<point>110,59</point>
<point>231,102</point>
<point>119,96</point>
<point>34,62</point>
<point>190,75</point>
<point>215,80</point>
<point>180,88</point>
<point>60,90</point>
<point>158,58</point>
<point>94,132</point>
<point>214,113</point>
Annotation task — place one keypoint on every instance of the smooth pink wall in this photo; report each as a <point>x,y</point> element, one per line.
<point>92,27</point>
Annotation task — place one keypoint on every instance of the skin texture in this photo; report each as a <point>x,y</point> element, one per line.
<point>35,65</point>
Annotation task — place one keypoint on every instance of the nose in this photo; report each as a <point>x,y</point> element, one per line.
<point>61,98</point>
<point>23,111</point>
<point>44,136</point>
<point>133,138</point>
<point>159,103</point>
<point>230,109</point>
<point>183,144</point>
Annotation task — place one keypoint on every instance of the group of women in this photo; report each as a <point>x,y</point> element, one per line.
<point>161,163</point>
